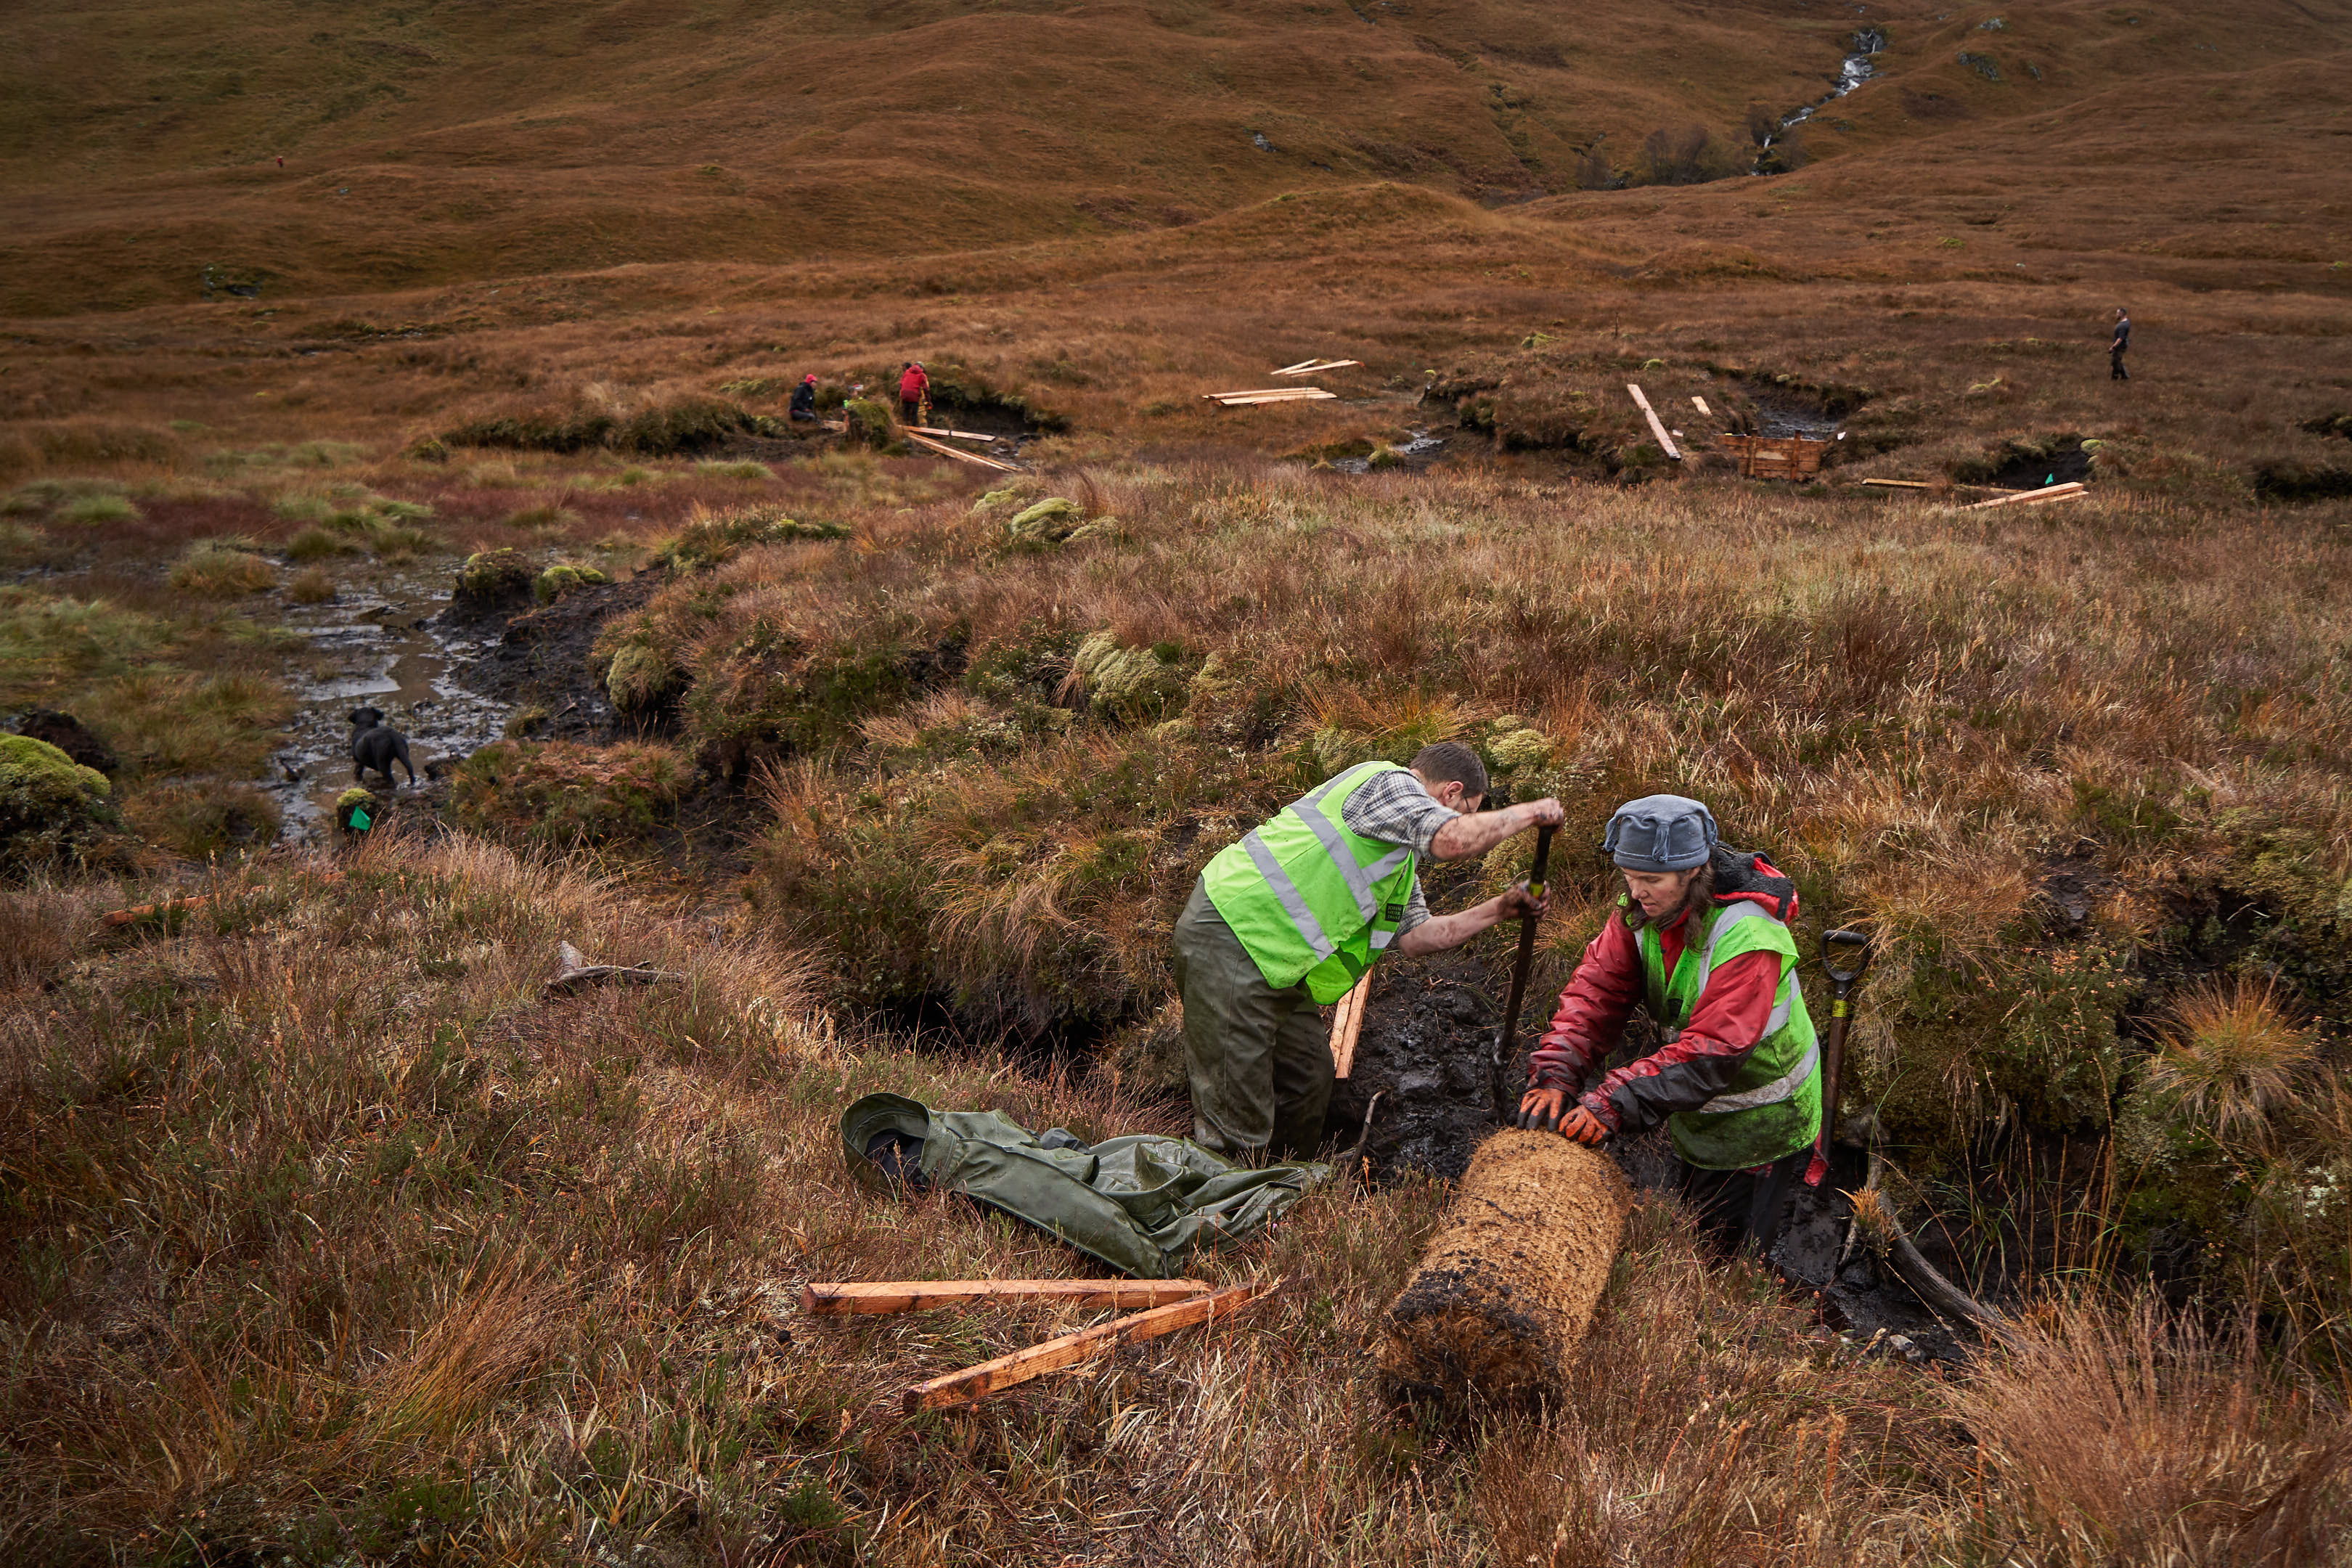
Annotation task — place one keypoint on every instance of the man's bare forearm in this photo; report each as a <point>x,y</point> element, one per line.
<point>1439,932</point>
<point>1466,837</point>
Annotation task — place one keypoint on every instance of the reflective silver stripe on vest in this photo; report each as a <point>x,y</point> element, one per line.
<point>1311,930</point>
<point>1360,879</point>
<point>1772,1093</point>
<point>1731,916</point>
<point>1788,1083</point>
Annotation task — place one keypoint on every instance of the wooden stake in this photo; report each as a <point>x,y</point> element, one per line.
<point>1318,366</point>
<point>1302,364</point>
<point>836,1300</point>
<point>1901,484</point>
<point>1005,1371</point>
<point>1658,427</point>
<point>577,971</point>
<point>1346,1024</point>
<point>1700,404</point>
<point>167,906</point>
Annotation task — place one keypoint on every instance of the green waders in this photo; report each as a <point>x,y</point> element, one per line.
<point>1258,1059</point>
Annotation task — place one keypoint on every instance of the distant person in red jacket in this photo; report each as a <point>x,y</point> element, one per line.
<point>914,393</point>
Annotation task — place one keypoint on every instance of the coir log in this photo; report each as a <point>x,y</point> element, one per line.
<point>1508,1286</point>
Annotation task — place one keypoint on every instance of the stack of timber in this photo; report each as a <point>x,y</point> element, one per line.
<point>961,456</point>
<point>1268,394</point>
<point>2067,491</point>
<point>1317,366</point>
<point>1776,457</point>
<point>1506,1288</point>
<point>950,435</point>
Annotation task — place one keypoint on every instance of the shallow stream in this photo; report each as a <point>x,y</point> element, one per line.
<point>1858,67</point>
<point>377,644</point>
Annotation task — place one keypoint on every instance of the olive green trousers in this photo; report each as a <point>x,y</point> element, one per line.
<point>1258,1059</point>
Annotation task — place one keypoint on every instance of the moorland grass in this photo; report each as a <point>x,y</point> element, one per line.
<point>339,1237</point>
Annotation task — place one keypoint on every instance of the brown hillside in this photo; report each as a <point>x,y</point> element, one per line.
<point>435,142</point>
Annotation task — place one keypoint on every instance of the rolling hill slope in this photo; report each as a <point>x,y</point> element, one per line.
<point>442,140</point>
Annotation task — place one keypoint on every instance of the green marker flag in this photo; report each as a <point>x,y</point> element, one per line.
<point>360,820</point>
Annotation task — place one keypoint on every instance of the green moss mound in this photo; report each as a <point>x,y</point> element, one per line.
<point>1050,522</point>
<point>52,809</point>
<point>1130,684</point>
<point>870,424</point>
<point>491,581</point>
<point>565,577</point>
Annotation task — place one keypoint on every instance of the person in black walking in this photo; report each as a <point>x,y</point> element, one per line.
<point>2116,349</point>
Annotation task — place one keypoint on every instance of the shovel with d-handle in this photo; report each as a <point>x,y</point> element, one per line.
<point>1506,1041</point>
<point>1854,947</point>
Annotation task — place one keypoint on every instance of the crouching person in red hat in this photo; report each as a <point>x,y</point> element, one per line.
<point>1700,938</point>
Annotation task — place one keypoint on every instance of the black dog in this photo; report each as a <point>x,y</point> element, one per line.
<point>374,746</point>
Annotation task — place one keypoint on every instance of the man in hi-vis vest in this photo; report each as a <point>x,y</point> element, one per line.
<point>1701,939</point>
<point>1289,919</point>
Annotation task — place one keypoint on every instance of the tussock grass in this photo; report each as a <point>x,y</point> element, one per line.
<point>201,821</point>
<point>339,1238</point>
<point>2136,1436</point>
<point>213,570</point>
<point>89,510</point>
<point>2230,1055</point>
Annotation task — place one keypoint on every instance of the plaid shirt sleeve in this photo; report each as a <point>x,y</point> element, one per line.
<point>1395,807</point>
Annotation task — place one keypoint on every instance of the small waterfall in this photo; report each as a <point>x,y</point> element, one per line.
<point>1858,68</point>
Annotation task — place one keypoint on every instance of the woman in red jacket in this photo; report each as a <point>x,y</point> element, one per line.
<point>914,393</point>
<point>1700,938</point>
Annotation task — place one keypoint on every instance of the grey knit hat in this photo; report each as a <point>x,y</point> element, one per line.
<point>1661,833</point>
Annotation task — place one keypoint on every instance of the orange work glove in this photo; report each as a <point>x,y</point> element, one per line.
<point>1582,1127</point>
<point>1540,1108</point>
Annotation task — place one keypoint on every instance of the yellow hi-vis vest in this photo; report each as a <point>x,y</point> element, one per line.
<point>1773,1106</point>
<point>1311,901</point>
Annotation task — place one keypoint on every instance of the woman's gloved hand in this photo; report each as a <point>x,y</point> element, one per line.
<point>1540,1108</point>
<point>1582,1127</point>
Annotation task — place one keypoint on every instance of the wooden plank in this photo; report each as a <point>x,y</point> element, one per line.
<point>952,434</point>
<point>1005,1371</point>
<point>1900,484</point>
<point>1302,364</point>
<point>178,903</point>
<point>1658,427</point>
<point>1700,404</point>
<point>835,1299</point>
<point>944,450</point>
<point>1317,367</point>
<point>1270,392</point>
<point>1346,1024</point>
<point>1251,400</point>
<point>2054,492</point>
